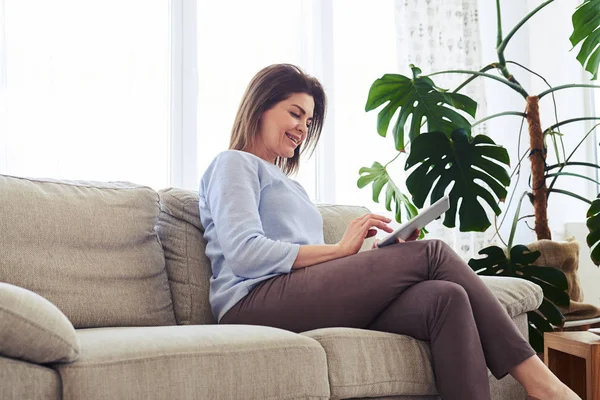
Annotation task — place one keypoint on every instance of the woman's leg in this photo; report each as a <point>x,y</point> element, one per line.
<point>353,291</point>
<point>440,312</point>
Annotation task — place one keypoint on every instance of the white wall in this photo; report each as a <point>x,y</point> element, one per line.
<point>543,46</point>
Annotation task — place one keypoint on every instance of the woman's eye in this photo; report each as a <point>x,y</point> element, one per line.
<point>295,115</point>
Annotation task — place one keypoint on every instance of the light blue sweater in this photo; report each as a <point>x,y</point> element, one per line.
<point>255,219</point>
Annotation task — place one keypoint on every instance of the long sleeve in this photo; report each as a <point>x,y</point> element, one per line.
<point>232,190</point>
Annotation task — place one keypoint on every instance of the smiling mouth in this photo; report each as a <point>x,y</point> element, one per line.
<point>293,139</point>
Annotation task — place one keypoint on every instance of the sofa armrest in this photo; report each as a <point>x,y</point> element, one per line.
<point>517,295</point>
<point>33,329</point>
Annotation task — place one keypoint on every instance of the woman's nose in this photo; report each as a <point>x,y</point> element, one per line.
<point>302,127</point>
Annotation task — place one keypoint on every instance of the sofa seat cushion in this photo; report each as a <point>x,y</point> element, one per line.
<point>365,363</point>
<point>22,380</point>
<point>195,361</point>
<point>33,329</point>
<point>88,247</point>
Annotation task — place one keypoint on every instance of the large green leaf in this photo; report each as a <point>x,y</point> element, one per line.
<point>421,99</point>
<point>465,162</point>
<point>379,176</point>
<point>586,28</point>
<point>552,281</point>
<point>593,224</point>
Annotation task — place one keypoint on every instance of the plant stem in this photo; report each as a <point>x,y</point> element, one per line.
<point>484,69</point>
<point>553,104</point>
<point>499,23</point>
<point>394,159</point>
<point>515,221</point>
<point>571,194</point>
<point>571,155</point>
<point>573,85</point>
<point>557,174</point>
<point>520,114</point>
<point>568,121</point>
<point>576,163</point>
<point>504,43</point>
<point>513,86</point>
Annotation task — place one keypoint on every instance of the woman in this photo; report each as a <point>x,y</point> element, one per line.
<point>271,267</point>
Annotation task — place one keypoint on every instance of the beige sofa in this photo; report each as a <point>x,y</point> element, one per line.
<point>121,309</point>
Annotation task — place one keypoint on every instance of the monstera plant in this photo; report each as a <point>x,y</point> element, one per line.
<point>433,127</point>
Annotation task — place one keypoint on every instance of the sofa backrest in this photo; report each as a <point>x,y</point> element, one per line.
<point>189,271</point>
<point>88,247</point>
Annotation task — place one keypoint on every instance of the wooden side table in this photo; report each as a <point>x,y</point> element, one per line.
<point>574,357</point>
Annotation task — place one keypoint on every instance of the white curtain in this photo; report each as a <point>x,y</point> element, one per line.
<point>437,36</point>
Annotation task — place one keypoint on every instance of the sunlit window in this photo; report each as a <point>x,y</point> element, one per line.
<point>84,92</point>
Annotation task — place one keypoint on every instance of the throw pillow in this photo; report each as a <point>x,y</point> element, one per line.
<point>33,329</point>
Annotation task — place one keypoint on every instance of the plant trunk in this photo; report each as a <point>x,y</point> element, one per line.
<point>537,157</point>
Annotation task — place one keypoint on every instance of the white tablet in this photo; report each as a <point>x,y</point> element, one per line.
<point>418,222</point>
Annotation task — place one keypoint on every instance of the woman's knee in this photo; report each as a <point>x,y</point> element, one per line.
<point>438,245</point>
<point>448,292</point>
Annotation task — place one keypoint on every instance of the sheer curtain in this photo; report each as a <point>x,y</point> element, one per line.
<point>84,89</point>
<point>437,36</point>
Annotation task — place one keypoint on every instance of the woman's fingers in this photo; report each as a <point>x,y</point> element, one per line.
<point>376,223</point>
<point>414,235</point>
<point>374,216</point>
<point>371,233</point>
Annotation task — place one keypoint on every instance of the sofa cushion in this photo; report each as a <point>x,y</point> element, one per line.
<point>181,235</point>
<point>89,248</point>
<point>515,294</point>
<point>192,362</point>
<point>22,380</point>
<point>365,363</point>
<point>33,329</point>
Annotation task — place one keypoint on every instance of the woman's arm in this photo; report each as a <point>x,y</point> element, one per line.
<point>318,253</point>
<point>357,231</point>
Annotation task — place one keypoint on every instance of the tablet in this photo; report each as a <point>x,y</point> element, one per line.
<point>418,222</point>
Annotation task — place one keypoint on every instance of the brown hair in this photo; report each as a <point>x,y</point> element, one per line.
<point>269,86</point>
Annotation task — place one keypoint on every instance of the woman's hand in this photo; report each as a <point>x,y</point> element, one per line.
<point>414,236</point>
<point>360,229</point>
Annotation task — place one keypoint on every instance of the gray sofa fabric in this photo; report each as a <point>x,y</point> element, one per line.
<point>366,363</point>
<point>89,248</point>
<point>190,362</point>
<point>20,380</point>
<point>180,233</point>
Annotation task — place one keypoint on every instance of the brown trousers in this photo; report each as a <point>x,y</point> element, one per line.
<point>422,289</point>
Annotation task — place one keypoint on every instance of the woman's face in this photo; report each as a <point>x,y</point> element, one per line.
<point>283,127</point>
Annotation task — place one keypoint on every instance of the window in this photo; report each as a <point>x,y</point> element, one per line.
<point>84,89</point>
<point>232,47</point>
<point>153,101</point>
